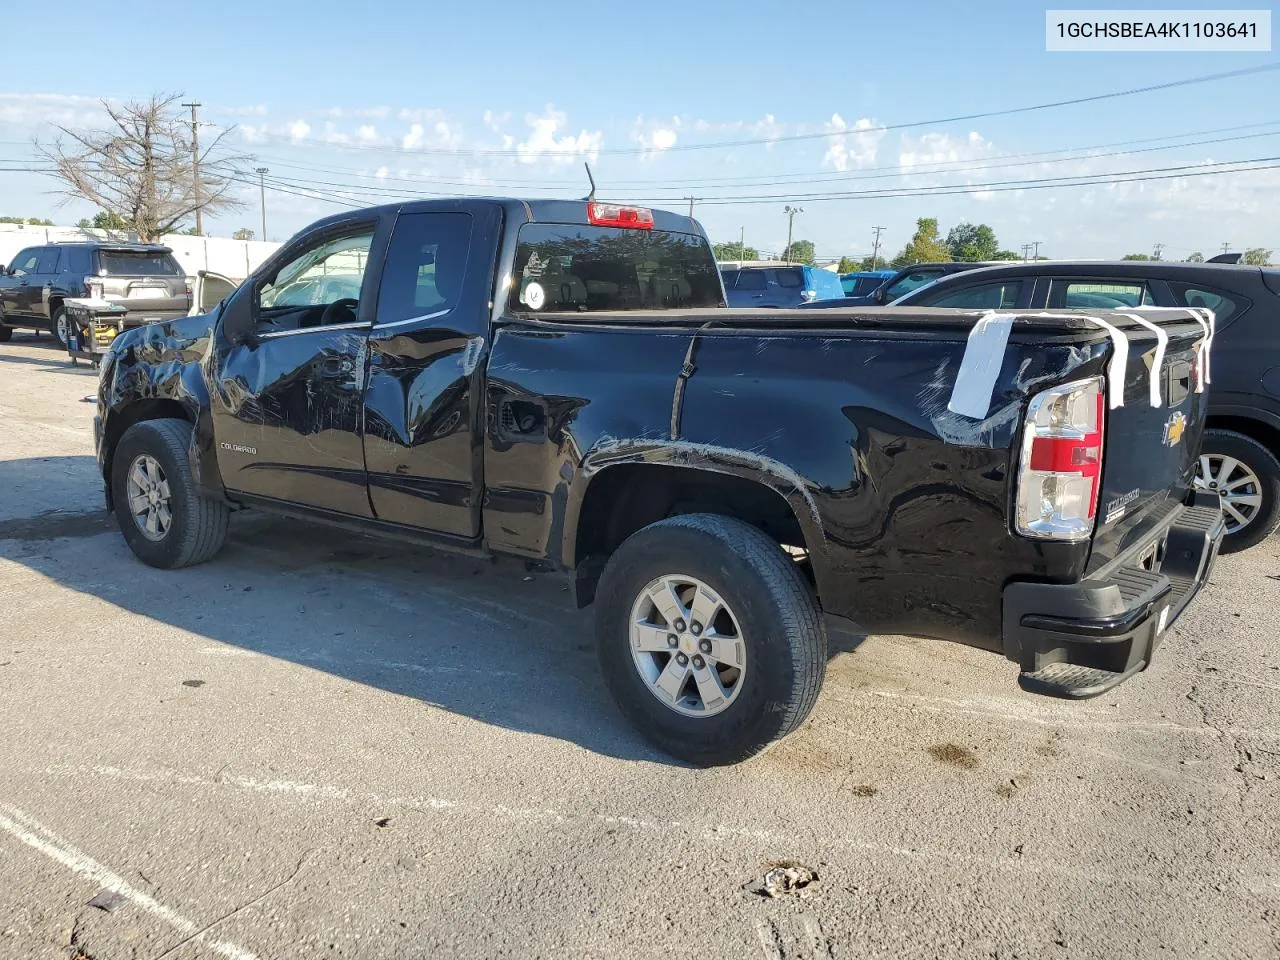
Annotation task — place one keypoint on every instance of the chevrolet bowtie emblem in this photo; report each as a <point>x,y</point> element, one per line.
<point>1174,429</point>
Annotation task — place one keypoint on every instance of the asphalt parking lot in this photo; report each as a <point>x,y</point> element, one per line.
<point>316,746</point>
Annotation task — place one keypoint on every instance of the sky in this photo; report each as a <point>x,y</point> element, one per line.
<point>351,105</point>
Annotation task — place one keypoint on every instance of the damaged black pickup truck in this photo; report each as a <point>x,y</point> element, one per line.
<point>561,381</point>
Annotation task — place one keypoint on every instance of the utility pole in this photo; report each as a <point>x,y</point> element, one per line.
<point>262,189</point>
<point>1036,255</point>
<point>195,163</point>
<point>1026,250</point>
<point>742,244</point>
<point>1158,247</point>
<point>791,212</point>
<point>875,250</point>
<point>691,199</point>
<point>1226,248</point>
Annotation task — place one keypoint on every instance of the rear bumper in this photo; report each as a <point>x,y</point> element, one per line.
<point>1081,639</point>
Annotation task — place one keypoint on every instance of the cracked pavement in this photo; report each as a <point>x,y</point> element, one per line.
<point>317,745</point>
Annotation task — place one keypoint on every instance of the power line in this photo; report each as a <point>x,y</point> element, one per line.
<point>790,138</point>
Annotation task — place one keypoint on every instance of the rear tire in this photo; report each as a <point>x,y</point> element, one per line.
<point>773,615</point>
<point>58,324</point>
<point>178,526</point>
<point>5,333</point>
<point>1256,475</point>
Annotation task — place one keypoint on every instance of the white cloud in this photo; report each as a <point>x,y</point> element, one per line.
<point>849,146</point>
<point>420,114</point>
<point>413,139</point>
<point>655,136</point>
<point>250,133</point>
<point>931,149</point>
<point>381,173</point>
<point>367,133</point>
<point>332,134</point>
<point>546,139</point>
<point>495,121</point>
<point>299,130</point>
<point>250,110</point>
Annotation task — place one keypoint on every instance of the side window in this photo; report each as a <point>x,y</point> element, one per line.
<point>1001,295</point>
<point>1223,305</point>
<point>75,261</point>
<point>1098,294</point>
<point>750,280</point>
<point>320,286</point>
<point>730,277</point>
<point>25,262</point>
<point>916,278</point>
<point>48,260</point>
<point>426,266</point>
<point>792,279</point>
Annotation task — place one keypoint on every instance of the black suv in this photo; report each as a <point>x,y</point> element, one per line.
<point>1239,457</point>
<point>145,278</point>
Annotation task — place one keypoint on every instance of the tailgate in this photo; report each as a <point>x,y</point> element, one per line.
<point>1150,452</point>
<point>148,295</point>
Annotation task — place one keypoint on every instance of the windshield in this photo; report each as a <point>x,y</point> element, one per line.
<point>137,263</point>
<point>569,267</point>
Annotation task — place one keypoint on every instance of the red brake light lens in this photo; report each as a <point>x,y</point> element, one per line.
<point>614,215</point>
<point>1060,476</point>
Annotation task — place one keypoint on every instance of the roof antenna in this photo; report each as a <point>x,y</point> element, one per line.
<point>592,195</point>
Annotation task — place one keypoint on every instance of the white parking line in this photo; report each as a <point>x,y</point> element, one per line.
<point>24,827</point>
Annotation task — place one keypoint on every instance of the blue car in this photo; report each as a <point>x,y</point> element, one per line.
<point>864,281</point>
<point>779,285</point>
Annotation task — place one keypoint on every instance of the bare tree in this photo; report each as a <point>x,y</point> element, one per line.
<point>140,167</point>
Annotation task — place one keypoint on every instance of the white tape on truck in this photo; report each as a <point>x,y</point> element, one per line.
<point>1208,323</point>
<point>1119,361</point>
<point>980,365</point>
<point>1157,365</point>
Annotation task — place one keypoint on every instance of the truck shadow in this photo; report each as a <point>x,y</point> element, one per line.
<point>489,640</point>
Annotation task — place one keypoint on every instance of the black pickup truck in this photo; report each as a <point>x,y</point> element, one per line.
<point>560,381</point>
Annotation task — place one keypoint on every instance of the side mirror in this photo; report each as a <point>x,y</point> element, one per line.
<point>235,317</point>
<point>881,296</point>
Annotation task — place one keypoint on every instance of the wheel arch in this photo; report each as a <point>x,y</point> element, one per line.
<point>1265,429</point>
<point>117,424</point>
<point>623,490</point>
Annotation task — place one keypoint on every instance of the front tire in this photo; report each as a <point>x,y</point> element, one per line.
<point>728,687</point>
<point>1247,476</point>
<point>165,520</point>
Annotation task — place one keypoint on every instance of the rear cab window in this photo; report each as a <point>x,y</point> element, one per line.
<point>138,263</point>
<point>789,278</point>
<point>585,267</point>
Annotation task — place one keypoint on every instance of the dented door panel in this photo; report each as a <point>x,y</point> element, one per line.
<point>287,418</point>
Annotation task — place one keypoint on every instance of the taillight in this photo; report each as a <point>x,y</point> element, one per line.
<point>95,288</point>
<point>188,282</point>
<point>1061,468</point>
<point>613,215</point>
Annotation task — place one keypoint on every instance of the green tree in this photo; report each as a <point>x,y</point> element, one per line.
<point>1196,257</point>
<point>1007,255</point>
<point>969,242</point>
<point>848,265</point>
<point>30,221</point>
<point>1257,257</point>
<point>722,251</point>
<point>244,233</point>
<point>801,251</point>
<point>106,220</point>
<point>1136,256</point>
<point>925,246</point>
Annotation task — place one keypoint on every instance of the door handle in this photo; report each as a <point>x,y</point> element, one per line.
<point>336,367</point>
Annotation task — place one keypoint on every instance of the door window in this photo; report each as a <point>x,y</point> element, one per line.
<point>1001,295</point>
<point>1098,294</point>
<point>25,262</point>
<point>790,279</point>
<point>750,280</point>
<point>904,285</point>
<point>48,260</point>
<point>318,287</point>
<point>75,261</point>
<point>426,266</point>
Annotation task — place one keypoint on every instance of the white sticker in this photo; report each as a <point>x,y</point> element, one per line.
<point>535,296</point>
<point>1164,621</point>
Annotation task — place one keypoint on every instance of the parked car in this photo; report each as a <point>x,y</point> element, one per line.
<point>902,282</point>
<point>145,278</point>
<point>864,281</point>
<point>1241,452</point>
<point>564,385</point>
<point>780,285</point>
